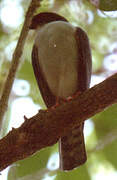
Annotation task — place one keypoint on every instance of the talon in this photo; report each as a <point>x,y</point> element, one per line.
<point>69,98</point>
<point>77,94</point>
<point>53,107</point>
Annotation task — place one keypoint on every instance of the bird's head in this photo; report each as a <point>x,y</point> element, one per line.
<point>44,18</point>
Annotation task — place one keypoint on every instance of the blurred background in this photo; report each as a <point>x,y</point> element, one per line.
<point>99,20</point>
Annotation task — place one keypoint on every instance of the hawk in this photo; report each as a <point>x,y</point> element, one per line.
<point>62,64</point>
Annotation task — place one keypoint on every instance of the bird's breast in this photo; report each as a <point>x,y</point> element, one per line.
<point>58,59</point>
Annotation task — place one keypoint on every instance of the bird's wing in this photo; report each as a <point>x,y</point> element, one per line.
<point>72,146</point>
<point>48,97</point>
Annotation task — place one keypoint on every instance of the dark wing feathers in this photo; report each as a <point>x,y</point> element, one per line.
<point>48,97</point>
<point>84,60</point>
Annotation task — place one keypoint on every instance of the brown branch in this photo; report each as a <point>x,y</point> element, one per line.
<point>45,128</point>
<point>16,58</point>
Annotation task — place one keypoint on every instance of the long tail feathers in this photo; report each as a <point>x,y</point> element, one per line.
<point>72,149</point>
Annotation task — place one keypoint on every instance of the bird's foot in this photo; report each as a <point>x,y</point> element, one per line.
<point>55,105</point>
<point>69,98</point>
<point>60,101</point>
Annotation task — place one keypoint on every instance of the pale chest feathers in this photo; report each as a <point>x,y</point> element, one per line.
<point>58,57</point>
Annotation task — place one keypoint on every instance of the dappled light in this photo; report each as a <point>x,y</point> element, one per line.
<point>110,62</point>
<point>53,162</point>
<point>21,87</point>
<point>20,107</point>
<point>25,98</point>
<point>11,13</point>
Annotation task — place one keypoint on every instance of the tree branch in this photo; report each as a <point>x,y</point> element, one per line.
<point>45,128</point>
<point>16,58</point>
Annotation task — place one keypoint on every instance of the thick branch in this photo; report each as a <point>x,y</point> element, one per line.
<point>45,128</point>
<point>16,58</point>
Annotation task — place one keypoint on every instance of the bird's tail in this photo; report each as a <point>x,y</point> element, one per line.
<point>72,149</point>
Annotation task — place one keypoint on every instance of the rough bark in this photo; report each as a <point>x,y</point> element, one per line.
<point>45,128</point>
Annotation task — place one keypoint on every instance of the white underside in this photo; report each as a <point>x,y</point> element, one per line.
<point>58,57</point>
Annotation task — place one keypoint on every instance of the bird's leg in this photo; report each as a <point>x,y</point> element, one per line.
<point>56,104</point>
<point>60,101</point>
<point>69,98</point>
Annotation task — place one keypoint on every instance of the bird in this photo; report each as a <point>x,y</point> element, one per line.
<point>62,64</point>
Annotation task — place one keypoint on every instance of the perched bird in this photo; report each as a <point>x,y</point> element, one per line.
<point>62,64</point>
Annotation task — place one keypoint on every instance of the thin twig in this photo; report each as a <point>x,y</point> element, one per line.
<point>45,128</point>
<point>16,58</point>
<point>105,141</point>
